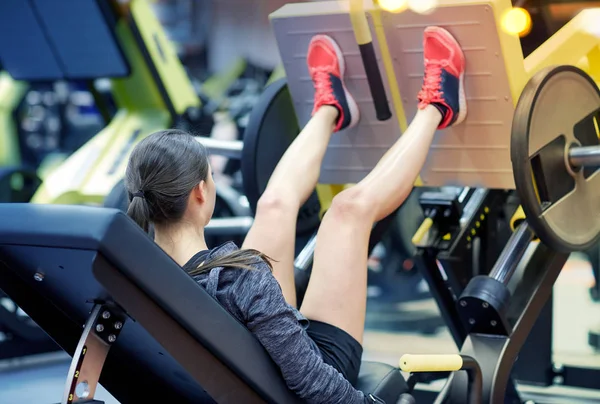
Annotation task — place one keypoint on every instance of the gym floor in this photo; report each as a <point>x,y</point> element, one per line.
<point>43,377</point>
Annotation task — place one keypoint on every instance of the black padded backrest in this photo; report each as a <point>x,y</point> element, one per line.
<point>59,39</point>
<point>77,248</point>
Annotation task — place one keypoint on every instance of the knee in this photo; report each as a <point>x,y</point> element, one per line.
<point>352,204</point>
<point>275,203</point>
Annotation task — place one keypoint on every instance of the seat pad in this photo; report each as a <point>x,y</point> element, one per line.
<point>381,380</point>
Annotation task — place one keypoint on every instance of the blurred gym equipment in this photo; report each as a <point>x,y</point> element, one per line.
<point>17,182</point>
<point>494,317</point>
<point>123,42</point>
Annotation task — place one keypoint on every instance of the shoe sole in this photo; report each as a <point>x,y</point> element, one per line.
<point>352,105</point>
<point>462,96</point>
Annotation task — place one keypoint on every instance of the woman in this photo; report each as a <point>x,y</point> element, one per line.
<point>317,348</point>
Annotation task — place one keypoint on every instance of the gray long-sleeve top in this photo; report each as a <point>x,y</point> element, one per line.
<point>254,298</point>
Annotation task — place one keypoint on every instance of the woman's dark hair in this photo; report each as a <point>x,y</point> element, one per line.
<point>163,170</point>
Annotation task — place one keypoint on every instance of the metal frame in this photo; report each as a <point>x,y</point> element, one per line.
<point>101,330</point>
<point>448,267</point>
<point>497,354</point>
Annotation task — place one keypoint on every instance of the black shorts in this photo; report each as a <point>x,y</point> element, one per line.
<point>338,348</point>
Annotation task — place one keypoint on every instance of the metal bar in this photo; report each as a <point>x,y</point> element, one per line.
<point>229,226</point>
<point>101,330</point>
<point>305,259</point>
<point>439,285</point>
<point>588,156</point>
<point>226,148</point>
<point>475,383</point>
<point>511,255</point>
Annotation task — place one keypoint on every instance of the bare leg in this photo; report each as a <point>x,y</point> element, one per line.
<point>342,241</point>
<point>294,179</point>
<point>296,175</point>
<point>336,292</point>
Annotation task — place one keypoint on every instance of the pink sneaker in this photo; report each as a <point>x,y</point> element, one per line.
<point>326,67</point>
<point>443,85</point>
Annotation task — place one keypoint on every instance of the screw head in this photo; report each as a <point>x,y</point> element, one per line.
<point>118,325</point>
<point>463,303</point>
<point>493,323</point>
<point>112,338</point>
<point>471,321</point>
<point>485,305</point>
<point>38,276</point>
<point>99,328</point>
<point>106,314</point>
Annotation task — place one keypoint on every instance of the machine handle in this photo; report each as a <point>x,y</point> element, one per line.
<point>517,218</point>
<point>448,363</point>
<point>367,53</point>
<point>422,230</point>
<point>431,363</point>
<point>425,226</point>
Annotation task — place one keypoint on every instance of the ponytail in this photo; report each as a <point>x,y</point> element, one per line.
<point>140,213</point>
<point>242,259</point>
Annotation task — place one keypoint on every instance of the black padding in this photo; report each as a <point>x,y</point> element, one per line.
<point>55,260</point>
<point>73,246</point>
<point>25,52</point>
<point>82,38</point>
<point>381,380</point>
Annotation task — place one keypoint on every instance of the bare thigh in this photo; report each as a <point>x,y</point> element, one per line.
<point>337,290</point>
<point>274,234</point>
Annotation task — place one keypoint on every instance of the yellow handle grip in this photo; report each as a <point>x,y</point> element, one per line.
<point>517,218</point>
<point>431,363</point>
<point>422,230</point>
<point>359,21</point>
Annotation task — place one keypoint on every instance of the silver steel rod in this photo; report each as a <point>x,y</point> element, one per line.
<point>587,156</point>
<point>229,226</point>
<point>305,258</point>
<point>226,148</point>
<point>511,255</point>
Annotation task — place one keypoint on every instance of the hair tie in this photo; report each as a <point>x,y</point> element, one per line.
<point>139,194</point>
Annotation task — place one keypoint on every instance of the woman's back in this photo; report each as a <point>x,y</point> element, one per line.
<point>254,297</point>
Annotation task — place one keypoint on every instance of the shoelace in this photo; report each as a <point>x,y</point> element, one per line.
<point>431,91</point>
<point>323,87</point>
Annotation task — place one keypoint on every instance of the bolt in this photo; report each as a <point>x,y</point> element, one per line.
<point>485,305</point>
<point>463,303</point>
<point>118,325</point>
<point>106,314</point>
<point>38,276</point>
<point>112,338</point>
<point>493,323</point>
<point>99,328</point>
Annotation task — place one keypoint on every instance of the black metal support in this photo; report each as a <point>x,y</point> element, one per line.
<point>534,362</point>
<point>497,354</point>
<point>474,377</point>
<point>449,261</point>
<point>101,330</point>
<point>437,279</point>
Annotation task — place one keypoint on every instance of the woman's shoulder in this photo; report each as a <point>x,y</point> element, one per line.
<point>223,249</point>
